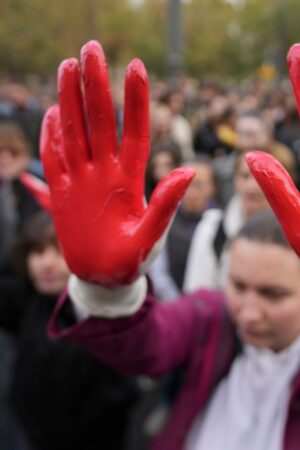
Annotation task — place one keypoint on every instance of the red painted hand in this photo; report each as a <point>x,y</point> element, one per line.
<point>105,229</point>
<point>274,180</point>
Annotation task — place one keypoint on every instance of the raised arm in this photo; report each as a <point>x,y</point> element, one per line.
<point>108,234</point>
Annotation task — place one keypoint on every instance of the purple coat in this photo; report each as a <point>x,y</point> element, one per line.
<point>194,332</point>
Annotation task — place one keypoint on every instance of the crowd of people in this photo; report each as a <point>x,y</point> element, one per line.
<point>54,395</point>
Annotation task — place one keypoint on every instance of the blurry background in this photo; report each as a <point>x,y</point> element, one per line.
<point>228,38</point>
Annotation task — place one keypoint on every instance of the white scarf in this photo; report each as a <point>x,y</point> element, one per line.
<point>249,407</point>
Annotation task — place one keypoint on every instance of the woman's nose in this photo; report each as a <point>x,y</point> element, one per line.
<point>47,258</point>
<point>251,310</point>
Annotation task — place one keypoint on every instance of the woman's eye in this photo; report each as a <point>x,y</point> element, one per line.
<point>274,294</point>
<point>239,286</point>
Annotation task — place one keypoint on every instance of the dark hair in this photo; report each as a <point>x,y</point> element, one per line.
<point>163,146</point>
<point>168,93</point>
<point>166,146</point>
<point>36,234</point>
<point>263,227</point>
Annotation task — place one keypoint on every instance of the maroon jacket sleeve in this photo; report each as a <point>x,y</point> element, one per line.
<point>156,339</point>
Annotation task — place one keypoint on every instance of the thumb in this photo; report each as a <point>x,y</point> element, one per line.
<point>280,192</point>
<point>162,206</point>
<point>38,189</point>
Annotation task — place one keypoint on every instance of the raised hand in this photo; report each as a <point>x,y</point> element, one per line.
<point>105,228</point>
<point>274,180</point>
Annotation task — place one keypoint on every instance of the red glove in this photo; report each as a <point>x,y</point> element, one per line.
<point>105,229</point>
<point>274,180</point>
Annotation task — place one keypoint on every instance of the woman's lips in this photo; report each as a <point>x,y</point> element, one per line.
<point>253,332</point>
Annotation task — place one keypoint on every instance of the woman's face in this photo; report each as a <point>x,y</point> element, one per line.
<point>251,134</point>
<point>251,195</point>
<point>263,293</point>
<point>200,190</point>
<point>162,164</point>
<point>12,161</point>
<point>47,270</point>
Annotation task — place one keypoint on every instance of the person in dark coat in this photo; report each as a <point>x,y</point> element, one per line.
<point>16,202</point>
<point>63,397</point>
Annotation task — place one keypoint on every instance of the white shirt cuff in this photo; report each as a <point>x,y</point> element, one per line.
<point>95,300</point>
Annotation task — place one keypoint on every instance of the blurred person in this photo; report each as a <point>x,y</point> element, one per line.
<point>163,128</point>
<point>64,398</point>
<point>161,122</point>
<point>287,128</point>
<point>208,256</point>
<point>252,133</point>
<point>15,151</point>
<point>157,88</point>
<point>216,135</point>
<point>17,105</point>
<point>287,132</point>
<point>46,97</point>
<point>168,269</point>
<point>181,130</point>
<point>11,436</point>
<point>16,203</point>
<point>248,104</point>
<point>207,91</point>
<point>164,157</point>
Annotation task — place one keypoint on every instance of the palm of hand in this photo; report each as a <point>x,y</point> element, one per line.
<point>105,229</point>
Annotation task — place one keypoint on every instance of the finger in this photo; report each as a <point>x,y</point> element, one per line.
<point>293,59</point>
<point>162,206</point>
<point>99,105</point>
<point>280,192</point>
<point>72,115</point>
<point>136,135</point>
<point>52,149</point>
<point>38,189</point>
